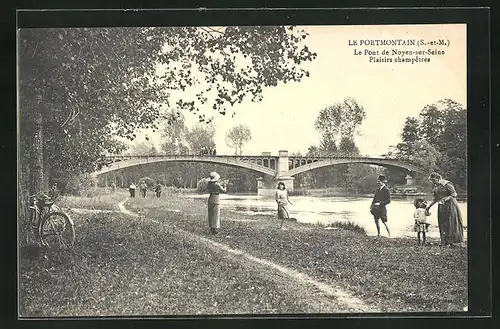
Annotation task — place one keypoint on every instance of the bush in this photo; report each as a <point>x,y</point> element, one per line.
<point>366,184</point>
<point>81,185</point>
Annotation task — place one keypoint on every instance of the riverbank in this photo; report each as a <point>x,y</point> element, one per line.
<point>395,275</point>
<point>126,265</point>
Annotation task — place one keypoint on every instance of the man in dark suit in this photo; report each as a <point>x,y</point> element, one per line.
<point>378,208</point>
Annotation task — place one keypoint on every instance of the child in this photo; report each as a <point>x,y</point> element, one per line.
<point>421,222</point>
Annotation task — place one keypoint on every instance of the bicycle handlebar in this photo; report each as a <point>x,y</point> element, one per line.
<point>38,194</point>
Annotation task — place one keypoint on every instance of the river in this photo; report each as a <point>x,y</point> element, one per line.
<point>324,210</point>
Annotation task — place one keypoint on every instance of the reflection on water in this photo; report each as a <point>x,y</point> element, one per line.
<point>325,210</point>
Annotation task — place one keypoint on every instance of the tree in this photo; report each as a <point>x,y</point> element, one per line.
<point>328,146</point>
<point>437,140</point>
<point>410,134</point>
<point>174,134</point>
<point>81,87</point>
<point>237,136</point>
<point>142,148</point>
<point>340,120</point>
<point>347,147</point>
<point>201,136</point>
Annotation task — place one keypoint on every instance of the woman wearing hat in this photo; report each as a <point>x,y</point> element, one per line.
<point>214,188</point>
<point>449,216</point>
<point>381,198</point>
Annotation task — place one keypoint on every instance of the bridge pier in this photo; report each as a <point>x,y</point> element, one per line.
<point>409,180</point>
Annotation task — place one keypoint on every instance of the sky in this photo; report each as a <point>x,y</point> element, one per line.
<point>388,91</point>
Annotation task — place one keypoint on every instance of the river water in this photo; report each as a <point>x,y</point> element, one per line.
<point>324,210</point>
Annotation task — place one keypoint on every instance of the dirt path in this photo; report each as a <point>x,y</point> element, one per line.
<point>331,294</point>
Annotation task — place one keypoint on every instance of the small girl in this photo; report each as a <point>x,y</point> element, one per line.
<point>421,222</point>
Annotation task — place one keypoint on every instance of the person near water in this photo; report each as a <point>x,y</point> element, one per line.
<point>214,187</point>
<point>450,224</point>
<point>158,190</point>
<point>131,189</point>
<point>283,201</point>
<point>421,222</point>
<point>144,188</point>
<point>381,199</point>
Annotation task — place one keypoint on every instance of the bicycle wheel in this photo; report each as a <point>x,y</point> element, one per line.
<point>57,230</point>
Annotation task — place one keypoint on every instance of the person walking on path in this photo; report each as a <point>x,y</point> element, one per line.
<point>421,223</point>
<point>380,200</point>
<point>144,188</point>
<point>214,188</point>
<point>450,224</point>
<point>281,197</point>
<point>131,189</point>
<point>158,190</point>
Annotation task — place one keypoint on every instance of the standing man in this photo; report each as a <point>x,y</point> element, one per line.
<point>380,200</point>
<point>131,189</point>
<point>144,188</point>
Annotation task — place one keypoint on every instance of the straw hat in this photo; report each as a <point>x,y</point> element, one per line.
<point>214,176</point>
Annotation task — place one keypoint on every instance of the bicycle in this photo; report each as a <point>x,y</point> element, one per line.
<point>50,224</point>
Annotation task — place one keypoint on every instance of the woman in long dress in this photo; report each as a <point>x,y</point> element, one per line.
<point>449,216</point>
<point>214,188</point>
<point>283,201</point>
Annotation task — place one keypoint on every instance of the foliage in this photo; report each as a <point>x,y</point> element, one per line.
<point>174,134</point>
<point>347,147</point>
<point>361,178</point>
<point>201,136</point>
<point>436,140</point>
<point>201,186</point>
<point>142,148</point>
<point>340,120</point>
<point>79,184</point>
<point>80,88</point>
<point>237,136</point>
<point>338,125</point>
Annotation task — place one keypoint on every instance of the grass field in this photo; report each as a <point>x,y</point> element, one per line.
<point>122,265</point>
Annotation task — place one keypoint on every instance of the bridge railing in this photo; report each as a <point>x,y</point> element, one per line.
<point>116,158</point>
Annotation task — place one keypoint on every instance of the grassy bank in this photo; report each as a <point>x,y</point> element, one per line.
<point>103,201</point>
<point>394,274</point>
<point>123,265</point>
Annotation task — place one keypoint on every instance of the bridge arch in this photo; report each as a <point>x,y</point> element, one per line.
<point>232,161</point>
<point>373,161</point>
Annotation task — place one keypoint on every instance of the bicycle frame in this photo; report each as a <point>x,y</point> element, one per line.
<point>37,212</point>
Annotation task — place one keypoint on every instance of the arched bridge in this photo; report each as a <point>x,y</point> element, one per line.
<point>302,164</point>
<point>276,166</point>
<point>256,163</point>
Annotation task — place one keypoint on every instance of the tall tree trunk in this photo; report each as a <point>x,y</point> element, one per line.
<point>31,169</point>
<point>38,178</point>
